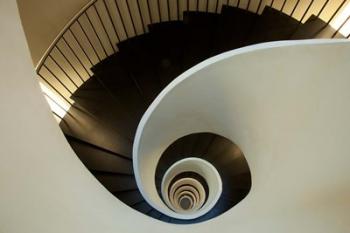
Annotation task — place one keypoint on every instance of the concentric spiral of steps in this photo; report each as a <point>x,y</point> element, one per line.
<point>110,105</point>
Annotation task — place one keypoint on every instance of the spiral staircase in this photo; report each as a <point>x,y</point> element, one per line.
<point>125,83</point>
<point>119,113</point>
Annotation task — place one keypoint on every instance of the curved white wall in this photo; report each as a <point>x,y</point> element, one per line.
<point>44,188</point>
<point>286,105</point>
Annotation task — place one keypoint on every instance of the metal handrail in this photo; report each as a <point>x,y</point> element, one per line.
<point>66,84</point>
<point>64,30</point>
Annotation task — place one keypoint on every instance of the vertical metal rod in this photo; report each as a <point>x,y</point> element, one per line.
<point>271,4</point>
<point>65,87</point>
<point>238,3</point>
<point>197,7</point>
<point>283,5</point>
<point>121,19</point>
<point>149,12</point>
<point>55,89</point>
<point>80,46</point>
<point>75,54</point>
<point>96,34</point>
<point>132,19</point>
<point>65,73</point>
<point>295,7</point>
<point>178,9</point>
<point>54,113</point>
<point>85,33</point>
<point>59,105</point>
<point>141,16</point>
<point>168,5</point>
<point>159,11</point>
<point>104,28</point>
<point>110,19</point>
<point>322,8</point>
<point>207,5</point>
<point>71,65</point>
<point>336,12</point>
<point>341,26</point>
<point>248,5</point>
<point>257,10</point>
<point>306,11</point>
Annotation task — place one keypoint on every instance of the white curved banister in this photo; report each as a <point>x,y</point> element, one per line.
<point>277,101</point>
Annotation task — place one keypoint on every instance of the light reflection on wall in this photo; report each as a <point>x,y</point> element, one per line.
<point>57,105</point>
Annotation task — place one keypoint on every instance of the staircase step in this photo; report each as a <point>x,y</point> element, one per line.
<point>272,25</point>
<point>96,158</point>
<point>235,26</point>
<point>114,182</point>
<point>124,88</point>
<point>201,36</point>
<point>169,38</point>
<point>139,59</point>
<point>314,27</point>
<point>130,198</point>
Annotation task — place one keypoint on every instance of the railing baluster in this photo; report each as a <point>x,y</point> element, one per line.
<point>306,11</point>
<point>71,65</point>
<point>76,56</point>
<point>238,3</point>
<point>283,5</point>
<point>80,46</point>
<point>341,26</point>
<point>85,33</point>
<point>248,5</point>
<point>197,7</point>
<point>59,105</point>
<point>65,73</point>
<point>322,8</point>
<point>141,16</point>
<point>111,20</point>
<point>272,2</point>
<point>94,30</point>
<point>104,28</point>
<point>258,9</point>
<point>336,12</point>
<point>168,5</point>
<point>159,11</point>
<point>206,6</point>
<point>65,87</point>
<point>132,19</point>
<point>295,7</point>
<point>54,88</point>
<point>121,19</point>
<point>178,9</point>
<point>54,113</point>
<point>217,6</point>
